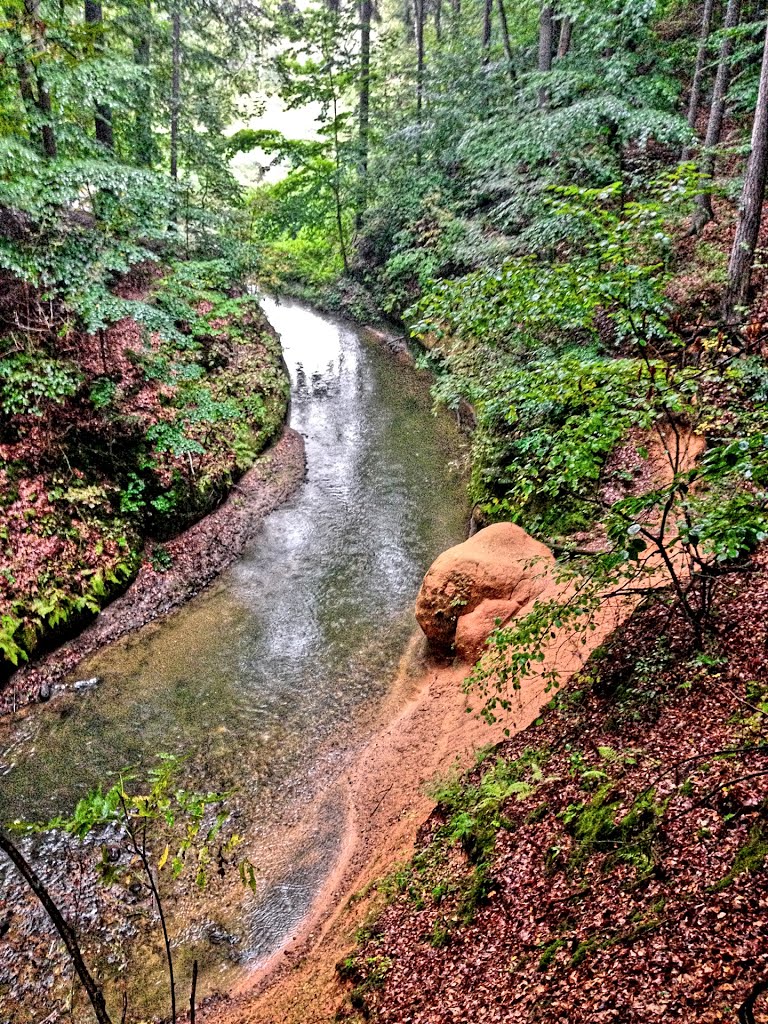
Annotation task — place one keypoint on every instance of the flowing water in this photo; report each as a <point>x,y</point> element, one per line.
<point>267,678</point>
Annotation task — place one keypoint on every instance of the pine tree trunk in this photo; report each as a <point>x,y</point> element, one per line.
<point>546,38</point>
<point>103,117</point>
<point>19,62</point>
<point>408,6</point>
<point>487,25</point>
<point>505,37</point>
<point>366,11</point>
<point>175,87</point>
<point>566,33</point>
<point>143,142</point>
<point>455,17</point>
<point>694,100</point>
<point>438,20</point>
<point>751,204</point>
<point>704,212</point>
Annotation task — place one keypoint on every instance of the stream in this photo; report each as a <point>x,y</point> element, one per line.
<point>269,679</point>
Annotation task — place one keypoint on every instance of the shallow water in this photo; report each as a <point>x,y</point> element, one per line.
<point>265,678</point>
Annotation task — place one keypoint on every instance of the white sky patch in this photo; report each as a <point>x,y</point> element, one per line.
<point>300,123</point>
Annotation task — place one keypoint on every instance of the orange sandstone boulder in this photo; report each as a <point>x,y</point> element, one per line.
<point>491,575</point>
<point>474,628</point>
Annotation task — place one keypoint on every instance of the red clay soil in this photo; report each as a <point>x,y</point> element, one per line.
<point>197,556</point>
<point>655,909</point>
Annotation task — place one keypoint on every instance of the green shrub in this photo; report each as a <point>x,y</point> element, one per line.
<point>28,381</point>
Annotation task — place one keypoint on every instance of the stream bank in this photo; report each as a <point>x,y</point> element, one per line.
<point>115,440</point>
<point>197,556</point>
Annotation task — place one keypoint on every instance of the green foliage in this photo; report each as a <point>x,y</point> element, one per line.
<point>296,224</point>
<point>10,648</point>
<point>162,560</point>
<point>598,828</point>
<point>546,431</point>
<point>29,380</point>
<point>475,813</point>
<point>616,264</point>
<point>169,828</point>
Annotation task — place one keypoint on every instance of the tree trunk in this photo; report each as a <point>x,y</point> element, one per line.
<point>65,930</point>
<point>455,17</point>
<point>418,10</point>
<point>751,204</point>
<point>698,74</point>
<point>175,87</point>
<point>19,62</point>
<point>566,32</point>
<point>704,213</point>
<point>43,99</point>
<point>546,38</point>
<point>408,6</point>
<point>366,11</point>
<point>487,25</point>
<point>438,20</point>
<point>103,117</point>
<point>505,37</point>
<point>143,142</point>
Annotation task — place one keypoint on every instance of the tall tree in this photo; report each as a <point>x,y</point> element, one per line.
<point>694,100</point>
<point>366,12</point>
<point>94,19</point>
<point>506,40</point>
<point>704,212</point>
<point>143,145</point>
<point>487,26</point>
<point>751,204</point>
<point>546,39</point>
<point>175,86</point>
<point>419,15</point>
<point>20,63</point>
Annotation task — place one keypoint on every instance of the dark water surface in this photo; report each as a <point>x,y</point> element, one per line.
<point>264,679</point>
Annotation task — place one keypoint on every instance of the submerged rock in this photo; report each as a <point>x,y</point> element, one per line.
<point>86,684</point>
<point>491,576</point>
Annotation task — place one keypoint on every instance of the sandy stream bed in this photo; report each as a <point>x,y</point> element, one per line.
<point>424,731</point>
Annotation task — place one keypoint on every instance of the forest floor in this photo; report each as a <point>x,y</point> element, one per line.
<point>605,865</point>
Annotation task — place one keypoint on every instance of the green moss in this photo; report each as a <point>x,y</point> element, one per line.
<point>594,826</point>
<point>750,858</point>
<point>584,949</point>
<point>441,934</point>
<point>549,952</point>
